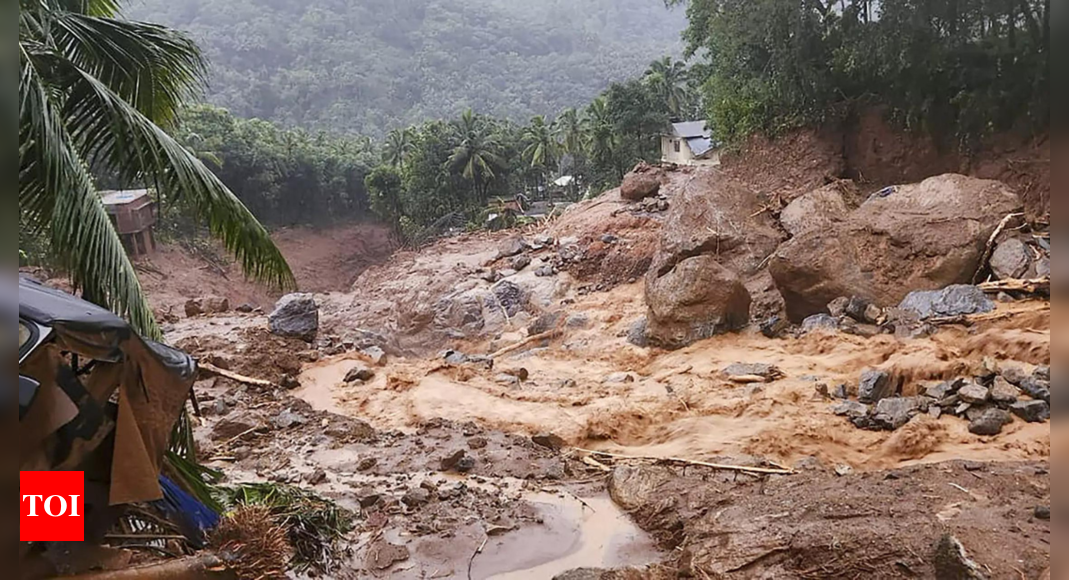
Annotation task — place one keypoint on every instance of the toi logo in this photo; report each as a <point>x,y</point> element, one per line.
<point>52,506</point>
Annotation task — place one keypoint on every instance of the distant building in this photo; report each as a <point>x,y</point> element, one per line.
<point>690,143</point>
<point>133,213</point>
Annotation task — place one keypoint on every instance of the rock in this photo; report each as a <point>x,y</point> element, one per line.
<point>416,497</point>
<point>974,394</point>
<point>944,389</point>
<point>642,182</point>
<point>990,422</point>
<point>567,384</point>
<point>478,442</point>
<point>520,262</point>
<point>490,275</point>
<point>545,322</point>
<point>230,428</point>
<point>316,477</point>
<point>633,487</point>
<point>585,574</point>
<point>510,297</point>
<point>765,371</point>
<point>290,382</point>
<point>1037,389</point>
<point>821,208</point>
<point>618,378</point>
<point>507,379</point>
<point>577,320</point>
<point>1013,374</point>
<point>459,461</point>
<point>368,498</point>
<point>924,236</point>
<point>1011,259</point>
<point>837,307</point>
<point>367,463</point>
<point>935,411</point>
<point>850,409</point>
<point>376,355</point>
<point>894,412</point>
<point>219,407</point>
<point>245,308</point>
<point>192,308</point>
<point>820,321</point>
<point>287,419</point>
<point>507,273</point>
<point>636,333</point>
<point>951,562</point>
<point>1031,411</point>
<point>774,326</point>
<point>875,385</point>
<point>549,441</point>
<point>359,373</point>
<point>975,411</point>
<point>381,554</point>
<point>1042,373</point>
<point>295,315</point>
<point>511,247</point>
<point>1042,512</point>
<point>540,241</point>
<point>962,408</point>
<point>840,391</point>
<point>862,310</point>
<point>1043,267</point>
<point>545,271</point>
<point>696,299</point>
<point>1003,392</point>
<point>955,300</point>
<point>850,326</point>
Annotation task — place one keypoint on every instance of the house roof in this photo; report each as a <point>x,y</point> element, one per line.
<point>697,135</point>
<point>123,197</point>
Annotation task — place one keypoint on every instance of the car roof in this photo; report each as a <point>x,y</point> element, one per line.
<point>48,307</point>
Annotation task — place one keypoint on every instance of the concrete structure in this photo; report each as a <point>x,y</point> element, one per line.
<point>690,143</point>
<point>133,213</point>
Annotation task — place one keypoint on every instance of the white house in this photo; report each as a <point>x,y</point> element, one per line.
<point>690,143</point>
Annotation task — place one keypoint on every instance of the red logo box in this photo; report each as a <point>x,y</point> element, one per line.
<point>52,506</point>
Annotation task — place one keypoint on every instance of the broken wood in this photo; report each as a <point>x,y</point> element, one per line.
<point>722,466</point>
<point>206,566</point>
<point>986,257</point>
<point>747,379</point>
<point>549,335</point>
<point>1033,286</point>
<point>214,370</point>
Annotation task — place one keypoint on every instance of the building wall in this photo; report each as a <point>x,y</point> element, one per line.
<point>675,150</point>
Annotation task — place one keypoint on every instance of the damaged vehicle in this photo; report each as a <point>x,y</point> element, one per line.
<point>96,397</point>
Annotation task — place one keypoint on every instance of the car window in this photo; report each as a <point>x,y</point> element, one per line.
<point>24,336</point>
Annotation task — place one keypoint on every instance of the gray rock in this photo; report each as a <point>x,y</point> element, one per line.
<point>974,412</point>
<point>636,333</point>
<point>1031,411</point>
<point>1042,373</point>
<point>415,497</point>
<point>295,315</point>
<point>549,441</point>
<point>974,393</point>
<point>507,379</point>
<point>376,355</point>
<point>850,409</point>
<point>577,320</point>
<point>219,407</point>
<point>520,262</point>
<point>894,412</point>
<point>820,321</point>
<point>1042,512</point>
<point>1043,267</point>
<point>507,273</point>
<point>618,378</point>
<point>951,562</point>
<point>944,389</point>
<point>962,409</point>
<point>545,322</point>
<point>935,411</point>
<point>840,391</point>
<point>1037,389</point>
<point>954,300</point>
<point>1003,392</point>
<point>287,419</point>
<point>245,308</point>
<point>774,326</point>
<point>1011,259</point>
<point>875,385</point>
<point>359,373</point>
<point>511,247</point>
<point>584,574</point>
<point>766,371</point>
<point>608,239</point>
<point>1014,374</point>
<point>858,309</point>
<point>837,307</point>
<point>510,297</point>
<point>990,422</point>
<point>545,271</point>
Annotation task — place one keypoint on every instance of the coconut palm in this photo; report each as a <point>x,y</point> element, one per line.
<point>398,145</point>
<point>476,156</point>
<point>95,92</point>
<point>541,149</point>
<point>602,140</point>
<point>669,79</point>
<point>570,131</point>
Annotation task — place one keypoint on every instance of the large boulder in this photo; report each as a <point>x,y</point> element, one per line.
<point>295,315</point>
<point>642,182</point>
<point>921,236</point>
<point>694,300</point>
<point>821,208</point>
<point>1011,259</point>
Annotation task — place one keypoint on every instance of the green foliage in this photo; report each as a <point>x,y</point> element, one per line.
<point>384,189</point>
<point>369,66</point>
<point>962,69</point>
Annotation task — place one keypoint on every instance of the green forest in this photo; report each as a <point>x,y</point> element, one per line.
<point>370,66</point>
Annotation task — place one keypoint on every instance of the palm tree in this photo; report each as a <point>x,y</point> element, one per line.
<point>95,91</point>
<point>669,79</point>
<point>570,131</point>
<point>602,140</point>
<point>541,150</point>
<point>477,154</point>
<point>398,146</point>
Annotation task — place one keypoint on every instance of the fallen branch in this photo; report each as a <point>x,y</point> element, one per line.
<point>747,379</point>
<point>207,566</point>
<point>549,335</point>
<point>991,245</point>
<point>214,370</point>
<point>1033,286</point>
<point>744,469</point>
<point>477,552</point>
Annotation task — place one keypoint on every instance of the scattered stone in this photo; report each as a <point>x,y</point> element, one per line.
<point>636,333</point>
<point>359,373</point>
<point>290,382</point>
<point>619,378</point>
<point>954,300</point>
<point>1011,259</point>
<point>369,498</point>
<point>1003,392</point>
<point>477,443</point>
<point>568,384</point>
<point>549,441</point>
<point>577,320</point>
<point>851,409</point>
<point>822,390</point>
<point>541,241</point>
<point>367,463</point>
<point>381,554</point>
<point>507,379</point>
<point>511,247</point>
<point>974,393</point>
<point>376,355</point>
<point>466,464</point>
<point>1031,411</point>
<point>1042,512</point>
<point>952,562</point>
<point>1042,373</point>
<point>519,372</point>
<point>490,275</point>
<point>510,297</point>
<point>962,409</point>
<point>841,392</point>
<point>608,239</point>
<point>545,322</point>
<point>894,412</point>
<point>974,412</point>
<point>990,422</point>
<point>837,307</point>
<point>642,182</point>
<point>192,308</point>
<point>875,385</point>
<point>415,497</point>
<point>316,477</point>
<point>820,321</point>
<point>545,271</point>
<point>287,419</point>
<point>935,411</point>
<point>766,371</point>
<point>230,428</point>
<point>858,309</point>
<point>1037,389</point>
<point>1004,298</point>
<point>520,262</point>
<point>245,308</point>
<point>507,273</point>
<point>219,407</point>
<point>944,389</point>
<point>295,315</point>
<point>584,574</point>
